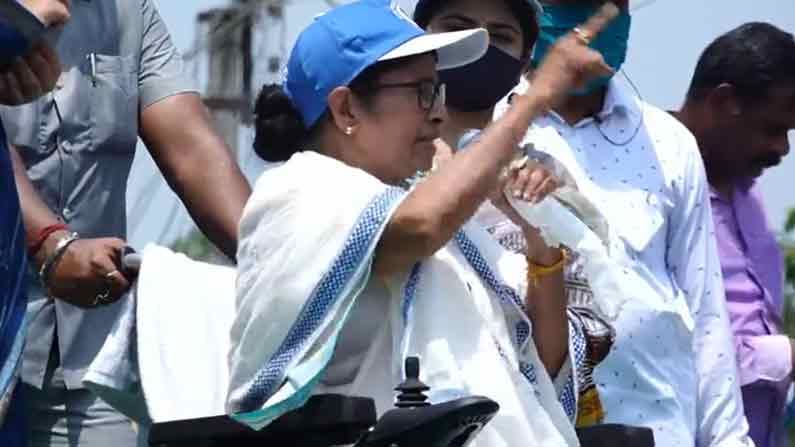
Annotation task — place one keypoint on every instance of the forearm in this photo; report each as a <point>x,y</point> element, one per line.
<point>546,308</point>
<point>214,197</point>
<point>35,213</point>
<point>692,259</point>
<point>197,165</point>
<point>719,401</point>
<point>438,207</point>
<point>429,217</point>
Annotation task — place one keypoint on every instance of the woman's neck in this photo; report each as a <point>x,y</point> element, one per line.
<point>458,122</point>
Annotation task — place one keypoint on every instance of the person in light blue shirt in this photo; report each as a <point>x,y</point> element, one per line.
<point>672,367</point>
<point>15,43</point>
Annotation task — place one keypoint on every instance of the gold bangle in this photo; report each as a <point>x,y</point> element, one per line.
<point>535,271</point>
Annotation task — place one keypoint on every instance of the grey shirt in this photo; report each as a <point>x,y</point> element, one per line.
<point>80,163</point>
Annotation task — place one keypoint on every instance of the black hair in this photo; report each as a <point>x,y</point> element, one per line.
<point>279,128</point>
<point>280,131</point>
<point>521,9</point>
<point>753,58</point>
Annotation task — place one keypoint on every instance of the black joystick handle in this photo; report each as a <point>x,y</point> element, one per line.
<point>412,390</point>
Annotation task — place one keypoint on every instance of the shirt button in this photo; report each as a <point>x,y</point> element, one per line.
<point>68,214</point>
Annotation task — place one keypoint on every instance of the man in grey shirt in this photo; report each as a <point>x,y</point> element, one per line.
<point>123,79</point>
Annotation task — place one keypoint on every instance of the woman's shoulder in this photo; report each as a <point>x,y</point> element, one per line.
<point>307,187</point>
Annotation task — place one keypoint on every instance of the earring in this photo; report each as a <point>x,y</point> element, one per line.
<point>349,130</point>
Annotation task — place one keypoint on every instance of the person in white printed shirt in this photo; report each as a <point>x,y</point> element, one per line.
<point>672,368</point>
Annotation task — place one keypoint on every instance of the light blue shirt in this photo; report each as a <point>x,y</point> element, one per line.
<point>673,367</point>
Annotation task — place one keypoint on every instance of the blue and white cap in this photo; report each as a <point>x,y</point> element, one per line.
<point>340,44</point>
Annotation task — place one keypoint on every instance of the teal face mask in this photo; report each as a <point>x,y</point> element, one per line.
<point>558,20</point>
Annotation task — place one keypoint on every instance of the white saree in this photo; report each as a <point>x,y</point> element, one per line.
<point>312,318</point>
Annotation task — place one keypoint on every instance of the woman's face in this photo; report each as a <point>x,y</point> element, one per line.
<point>622,4</point>
<point>505,31</point>
<point>395,135</point>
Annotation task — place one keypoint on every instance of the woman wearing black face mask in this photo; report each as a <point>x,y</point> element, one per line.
<point>474,90</point>
<point>472,94</point>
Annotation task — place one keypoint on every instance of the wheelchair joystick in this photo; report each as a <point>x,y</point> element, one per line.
<point>412,390</point>
<point>415,422</point>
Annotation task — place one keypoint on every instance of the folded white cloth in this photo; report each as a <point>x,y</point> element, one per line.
<point>113,374</point>
<point>171,341</point>
<point>185,311</point>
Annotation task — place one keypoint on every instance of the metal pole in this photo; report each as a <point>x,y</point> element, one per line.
<point>229,32</point>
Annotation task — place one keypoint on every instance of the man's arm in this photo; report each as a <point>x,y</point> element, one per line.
<point>88,267</point>
<point>197,165</point>
<point>176,129</point>
<point>36,214</point>
<point>693,257</point>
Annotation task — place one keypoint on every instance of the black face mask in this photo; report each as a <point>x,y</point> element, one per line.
<point>481,84</point>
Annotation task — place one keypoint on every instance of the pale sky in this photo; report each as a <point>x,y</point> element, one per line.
<point>667,38</point>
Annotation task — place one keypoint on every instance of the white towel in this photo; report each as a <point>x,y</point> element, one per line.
<point>113,374</point>
<point>185,311</point>
<point>172,338</point>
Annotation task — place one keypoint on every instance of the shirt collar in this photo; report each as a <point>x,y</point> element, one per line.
<point>618,103</point>
<point>744,186</point>
<point>714,194</point>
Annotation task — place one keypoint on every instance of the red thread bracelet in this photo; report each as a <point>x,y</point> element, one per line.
<point>42,237</point>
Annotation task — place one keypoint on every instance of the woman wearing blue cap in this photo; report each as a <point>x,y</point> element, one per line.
<point>345,267</point>
<point>473,91</point>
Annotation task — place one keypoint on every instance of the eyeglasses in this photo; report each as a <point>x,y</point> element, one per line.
<point>430,94</point>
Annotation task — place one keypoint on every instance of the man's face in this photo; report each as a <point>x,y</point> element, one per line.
<point>757,137</point>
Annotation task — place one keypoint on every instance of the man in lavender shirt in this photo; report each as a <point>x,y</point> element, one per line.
<point>740,107</point>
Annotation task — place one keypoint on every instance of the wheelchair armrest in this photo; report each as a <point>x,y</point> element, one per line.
<point>325,420</point>
<point>612,435</point>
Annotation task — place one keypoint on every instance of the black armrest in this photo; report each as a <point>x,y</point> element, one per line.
<point>324,420</point>
<point>615,435</point>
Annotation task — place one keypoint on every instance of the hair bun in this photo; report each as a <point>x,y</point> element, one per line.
<point>279,128</point>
